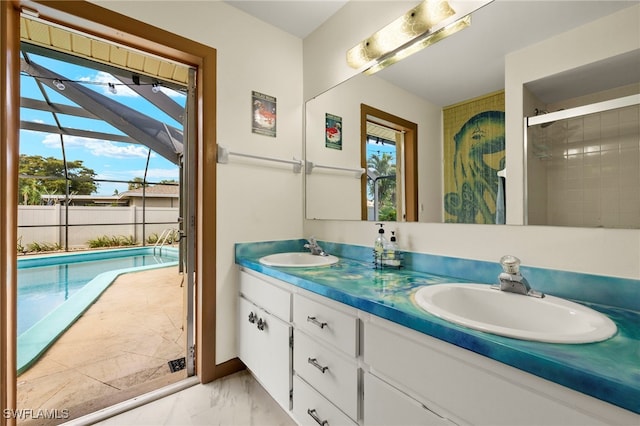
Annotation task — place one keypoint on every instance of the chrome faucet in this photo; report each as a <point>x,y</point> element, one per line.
<point>512,281</point>
<point>314,248</point>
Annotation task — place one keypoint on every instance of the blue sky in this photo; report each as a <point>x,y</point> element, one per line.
<point>110,160</point>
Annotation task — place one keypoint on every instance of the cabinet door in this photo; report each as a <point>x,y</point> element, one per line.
<point>263,346</point>
<point>248,336</point>
<point>465,386</point>
<point>275,357</point>
<point>384,405</point>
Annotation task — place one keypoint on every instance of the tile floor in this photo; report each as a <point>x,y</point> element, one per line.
<point>117,350</point>
<point>236,400</point>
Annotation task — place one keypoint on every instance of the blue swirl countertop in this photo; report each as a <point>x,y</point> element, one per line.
<point>608,370</point>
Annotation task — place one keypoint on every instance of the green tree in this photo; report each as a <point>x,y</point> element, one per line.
<point>384,166</point>
<point>46,176</point>
<point>137,183</point>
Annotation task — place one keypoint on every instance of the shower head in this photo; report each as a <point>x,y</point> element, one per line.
<point>544,111</point>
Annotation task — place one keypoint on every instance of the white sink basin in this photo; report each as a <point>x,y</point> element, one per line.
<point>550,319</point>
<point>297,260</point>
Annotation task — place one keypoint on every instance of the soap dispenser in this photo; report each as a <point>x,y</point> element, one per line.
<point>391,255</point>
<point>381,241</point>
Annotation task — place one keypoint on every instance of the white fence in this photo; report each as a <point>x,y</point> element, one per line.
<point>45,224</point>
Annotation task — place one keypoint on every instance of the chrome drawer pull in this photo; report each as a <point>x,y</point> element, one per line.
<point>252,318</point>
<point>261,324</point>
<point>314,416</point>
<point>314,362</point>
<point>313,320</point>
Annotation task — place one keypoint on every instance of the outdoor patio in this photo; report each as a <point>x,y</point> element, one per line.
<point>120,348</point>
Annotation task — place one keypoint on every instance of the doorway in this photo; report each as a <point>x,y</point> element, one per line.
<point>389,154</point>
<point>107,25</point>
<point>102,156</point>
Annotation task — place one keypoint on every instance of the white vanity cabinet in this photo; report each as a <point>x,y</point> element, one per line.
<point>325,351</point>
<point>349,367</point>
<point>264,335</point>
<point>457,386</point>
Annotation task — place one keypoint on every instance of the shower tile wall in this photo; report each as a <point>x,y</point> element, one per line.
<point>592,169</point>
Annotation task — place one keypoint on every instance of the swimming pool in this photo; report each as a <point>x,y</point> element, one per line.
<point>54,290</point>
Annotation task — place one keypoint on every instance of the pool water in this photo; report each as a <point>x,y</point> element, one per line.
<point>41,289</point>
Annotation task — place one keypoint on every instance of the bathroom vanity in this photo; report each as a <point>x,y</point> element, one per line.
<point>347,345</point>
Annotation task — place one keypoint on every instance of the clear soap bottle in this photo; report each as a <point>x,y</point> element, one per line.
<point>380,242</point>
<point>391,256</point>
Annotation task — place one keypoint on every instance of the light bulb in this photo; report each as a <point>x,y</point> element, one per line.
<point>59,85</point>
<point>112,88</point>
<point>155,88</point>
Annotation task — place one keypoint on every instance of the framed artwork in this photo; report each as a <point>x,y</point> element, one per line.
<point>474,152</point>
<point>264,114</point>
<point>333,131</point>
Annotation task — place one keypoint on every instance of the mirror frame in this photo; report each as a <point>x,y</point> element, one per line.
<point>410,170</point>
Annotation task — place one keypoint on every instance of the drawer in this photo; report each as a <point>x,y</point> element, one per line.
<point>385,405</point>
<point>271,298</point>
<point>332,374</point>
<point>312,409</point>
<point>331,325</point>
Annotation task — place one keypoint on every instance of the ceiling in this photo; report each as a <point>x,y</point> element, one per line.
<point>297,17</point>
<point>475,55</point>
<point>63,40</point>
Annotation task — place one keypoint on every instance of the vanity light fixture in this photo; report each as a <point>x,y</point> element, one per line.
<point>422,26</point>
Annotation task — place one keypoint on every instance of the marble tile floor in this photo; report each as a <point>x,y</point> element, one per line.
<point>235,400</point>
<point>117,350</point>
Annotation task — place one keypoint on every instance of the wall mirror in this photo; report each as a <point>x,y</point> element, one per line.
<point>467,66</point>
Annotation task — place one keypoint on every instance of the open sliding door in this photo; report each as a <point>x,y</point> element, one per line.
<point>188,215</point>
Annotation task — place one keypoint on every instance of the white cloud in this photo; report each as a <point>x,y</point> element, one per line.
<point>172,93</point>
<point>104,78</point>
<point>97,147</point>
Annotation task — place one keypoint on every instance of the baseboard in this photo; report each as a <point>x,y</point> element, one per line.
<point>228,367</point>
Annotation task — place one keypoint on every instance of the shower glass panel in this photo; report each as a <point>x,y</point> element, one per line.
<point>584,170</point>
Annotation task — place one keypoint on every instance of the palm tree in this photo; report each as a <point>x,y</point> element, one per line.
<point>30,193</point>
<point>383,166</point>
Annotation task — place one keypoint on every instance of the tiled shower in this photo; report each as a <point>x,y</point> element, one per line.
<point>585,171</point>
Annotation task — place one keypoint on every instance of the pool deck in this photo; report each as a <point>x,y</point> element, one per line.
<point>118,349</point>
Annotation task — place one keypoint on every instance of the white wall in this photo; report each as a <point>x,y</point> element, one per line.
<point>255,200</point>
<point>599,251</point>
<point>325,49</point>
<point>124,217</point>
